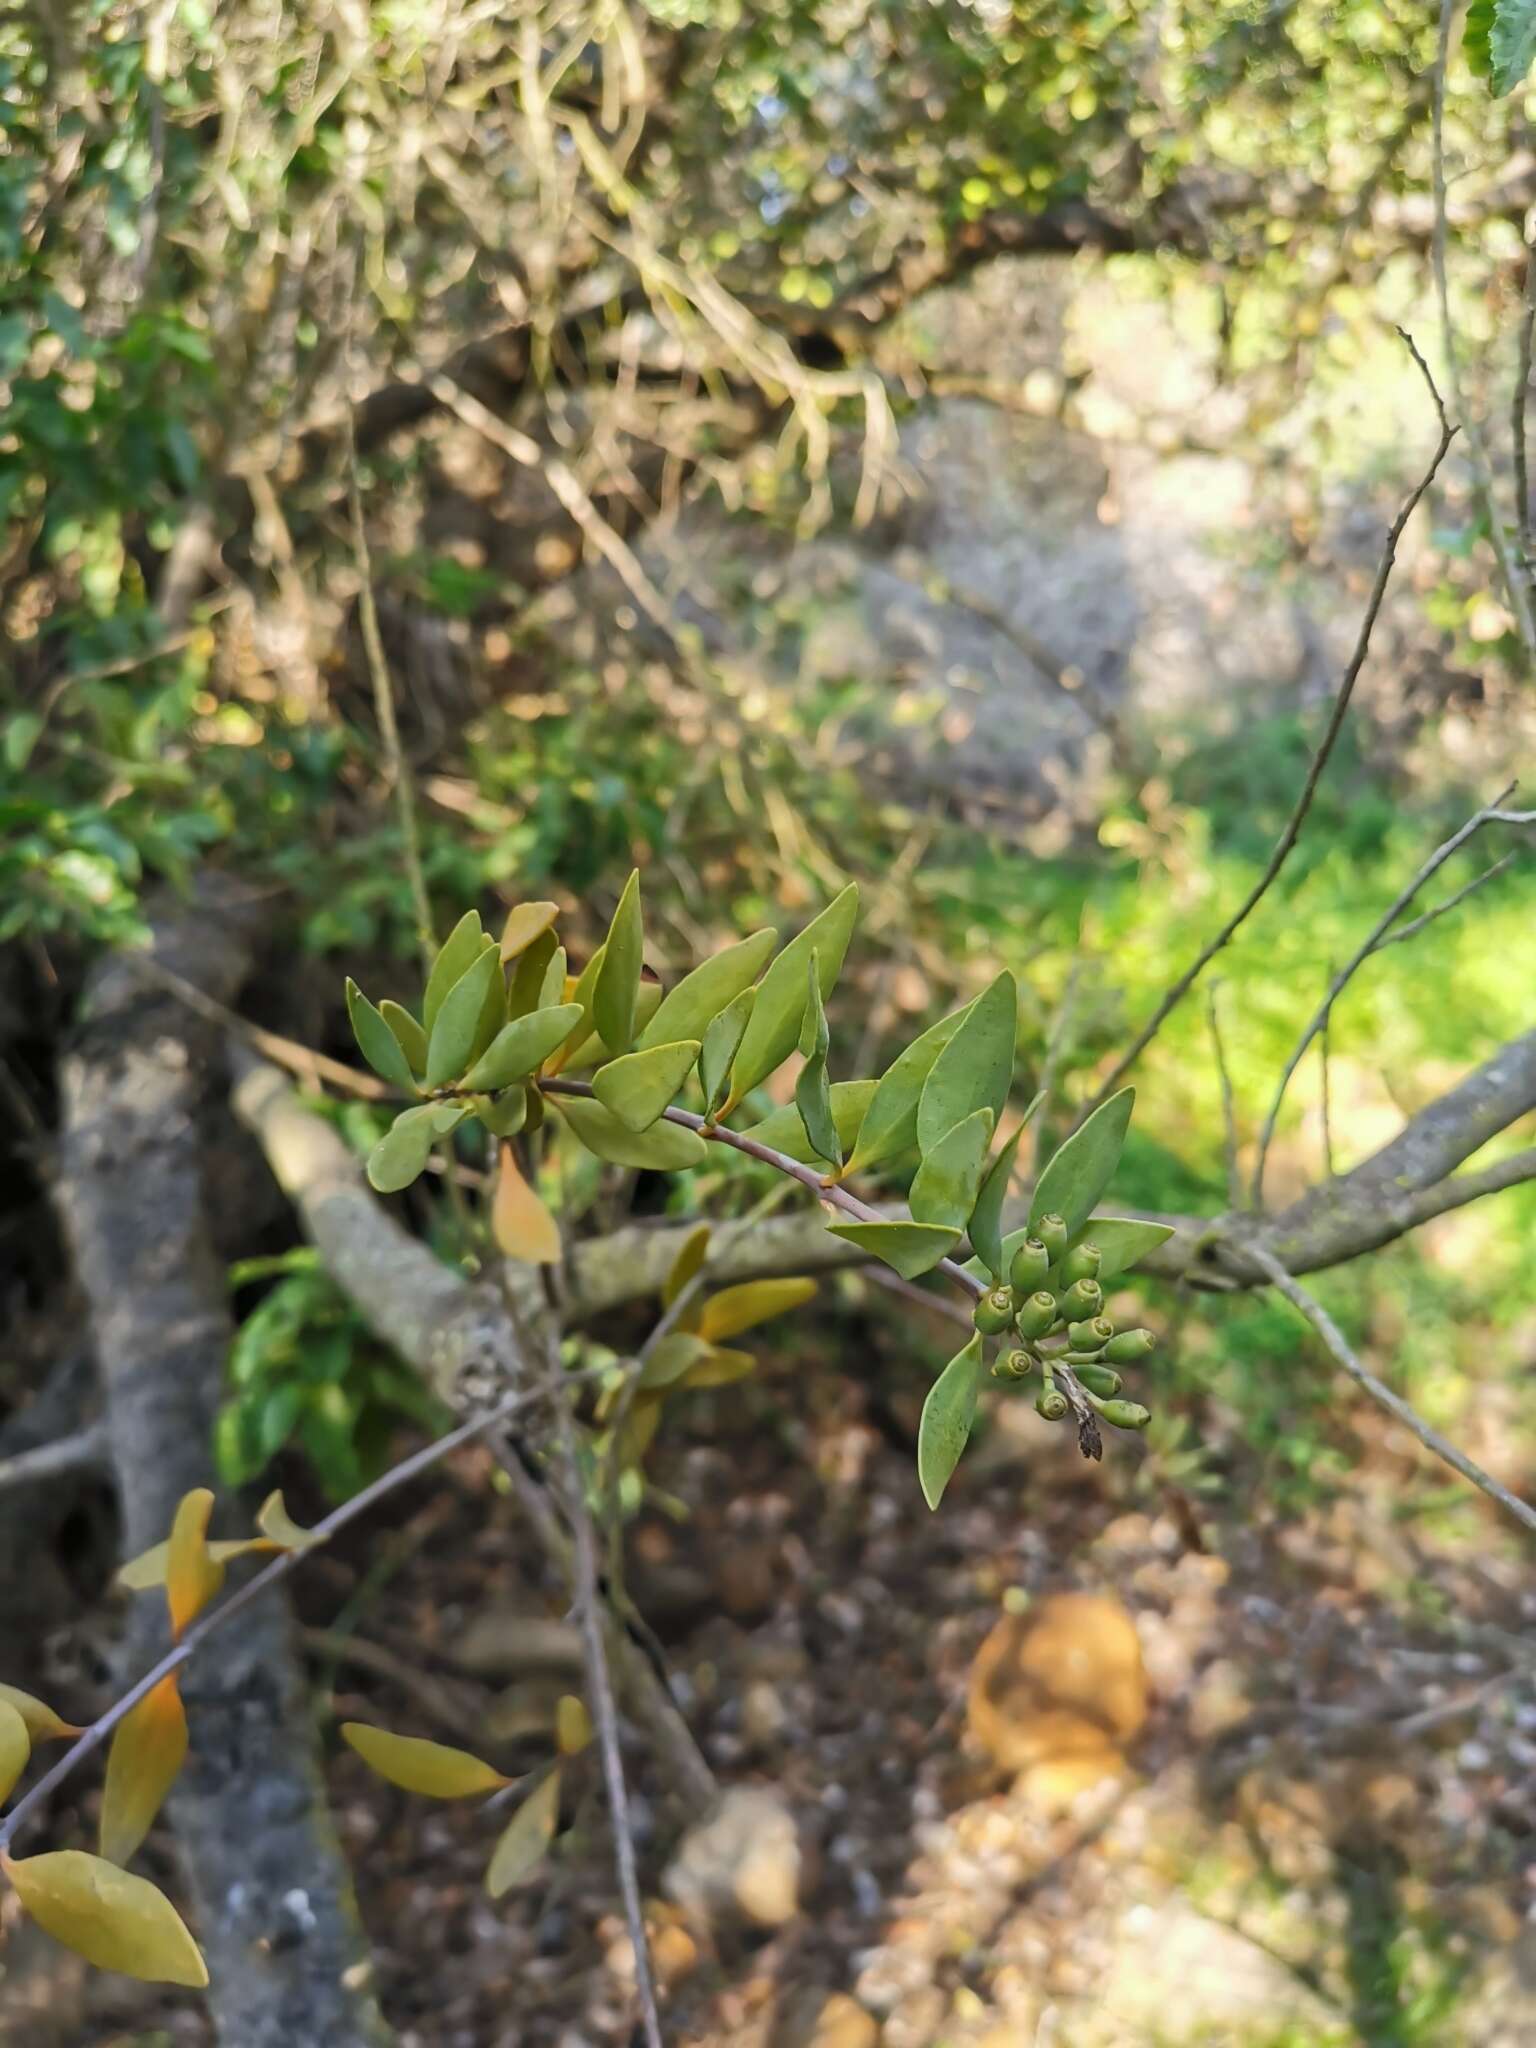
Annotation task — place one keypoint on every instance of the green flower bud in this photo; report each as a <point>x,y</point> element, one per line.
<point>1012,1365</point>
<point>1124,1414</point>
<point>1035,1316</point>
<point>1031,1263</point>
<point>1051,1404</point>
<point>1090,1336</point>
<point>1082,1262</point>
<point>1096,1378</point>
<point>1082,1298</point>
<point>1129,1346</point>
<point>1052,1233</point>
<point>993,1312</point>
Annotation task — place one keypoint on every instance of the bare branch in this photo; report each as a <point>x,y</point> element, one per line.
<point>1303,805</point>
<point>88,1447</point>
<point>246,1596</point>
<point>1514,582</point>
<point>1416,925</point>
<point>1228,1107</point>
<point>1336,986</point>
<point>395,763</point>
<point>1338,1347</point>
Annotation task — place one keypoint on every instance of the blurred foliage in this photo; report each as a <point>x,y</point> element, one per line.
<point>678,242</point>
<point>305,1374</point>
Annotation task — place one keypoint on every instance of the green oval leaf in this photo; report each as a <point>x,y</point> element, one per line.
<point>377,1043</point>
<point>973,1071</point>
<point>592,1050</point>
<point>774,1025</point>
<point>890,1125</point>
<point>813,1096</point>
<point>1084,1166</point>
<point>946,1185</point>
<point>402,1153</point>
<point>415,1765</point>
<point>785,1132</point>
<point>948,1413</point>
<point>910,1248</point>
<point>451,1041</point>
<point>617,987</point>
<point>986,1226</point>
<point>528,988</point>
<point>721,1043</point>
<point>408,1033</point>
<point>1123,1240</point>
<point>457,955</point>
<point>640,1085</point>
<point>700,996</point>
<point>664,1148</point>
<point>525,1838</point>
<point>521,1047</point>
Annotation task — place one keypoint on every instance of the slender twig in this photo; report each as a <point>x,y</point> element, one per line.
<point>1514,583</point>
<point>1343,1356</point>
<point>1325,1082</point>
<point>1228,1105</point>
<point>1319,762</point>
<point>395,764</point>
<point>286,1052</point>
<point>590,1609</point>
<point>1410,930</point>
<point>1517,417</point>
<point>808,1176</point>
<point>86,1447</point>
<point>270,1575</point>
<point>1362,952</point>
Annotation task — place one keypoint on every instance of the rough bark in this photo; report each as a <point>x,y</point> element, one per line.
<point>271,1892</point>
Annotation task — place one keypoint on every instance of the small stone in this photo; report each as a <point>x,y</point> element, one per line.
<point>814,2018</point>
<point>764,1716</point>
<point>1220,1701</point>
<point>742,1861</point>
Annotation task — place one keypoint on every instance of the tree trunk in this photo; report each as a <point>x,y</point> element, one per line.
<point>272,1896</point>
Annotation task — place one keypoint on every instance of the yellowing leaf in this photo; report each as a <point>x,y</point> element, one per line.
<point>113,1919</point>
<point>193,1575</point>
<point>525,923</point>
<point>735,1309</point>
<point>416,1765</point>
<point>148,1750</point>
<point>718,1368</point>
<point>525,1838</point>
<point>280,1529</point>
<point>520,1222</point>
<point>143,1573</point>
<point>15,1748</point>
<point>41,1722</point>
<point>669,1358</point>
<point>690,1260</point>
<point>573,1725</point>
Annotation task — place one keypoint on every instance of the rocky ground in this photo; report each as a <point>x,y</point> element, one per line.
<point>1321,1833</point>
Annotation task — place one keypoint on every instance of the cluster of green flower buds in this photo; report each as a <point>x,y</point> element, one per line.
<point>1053,1304</point>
